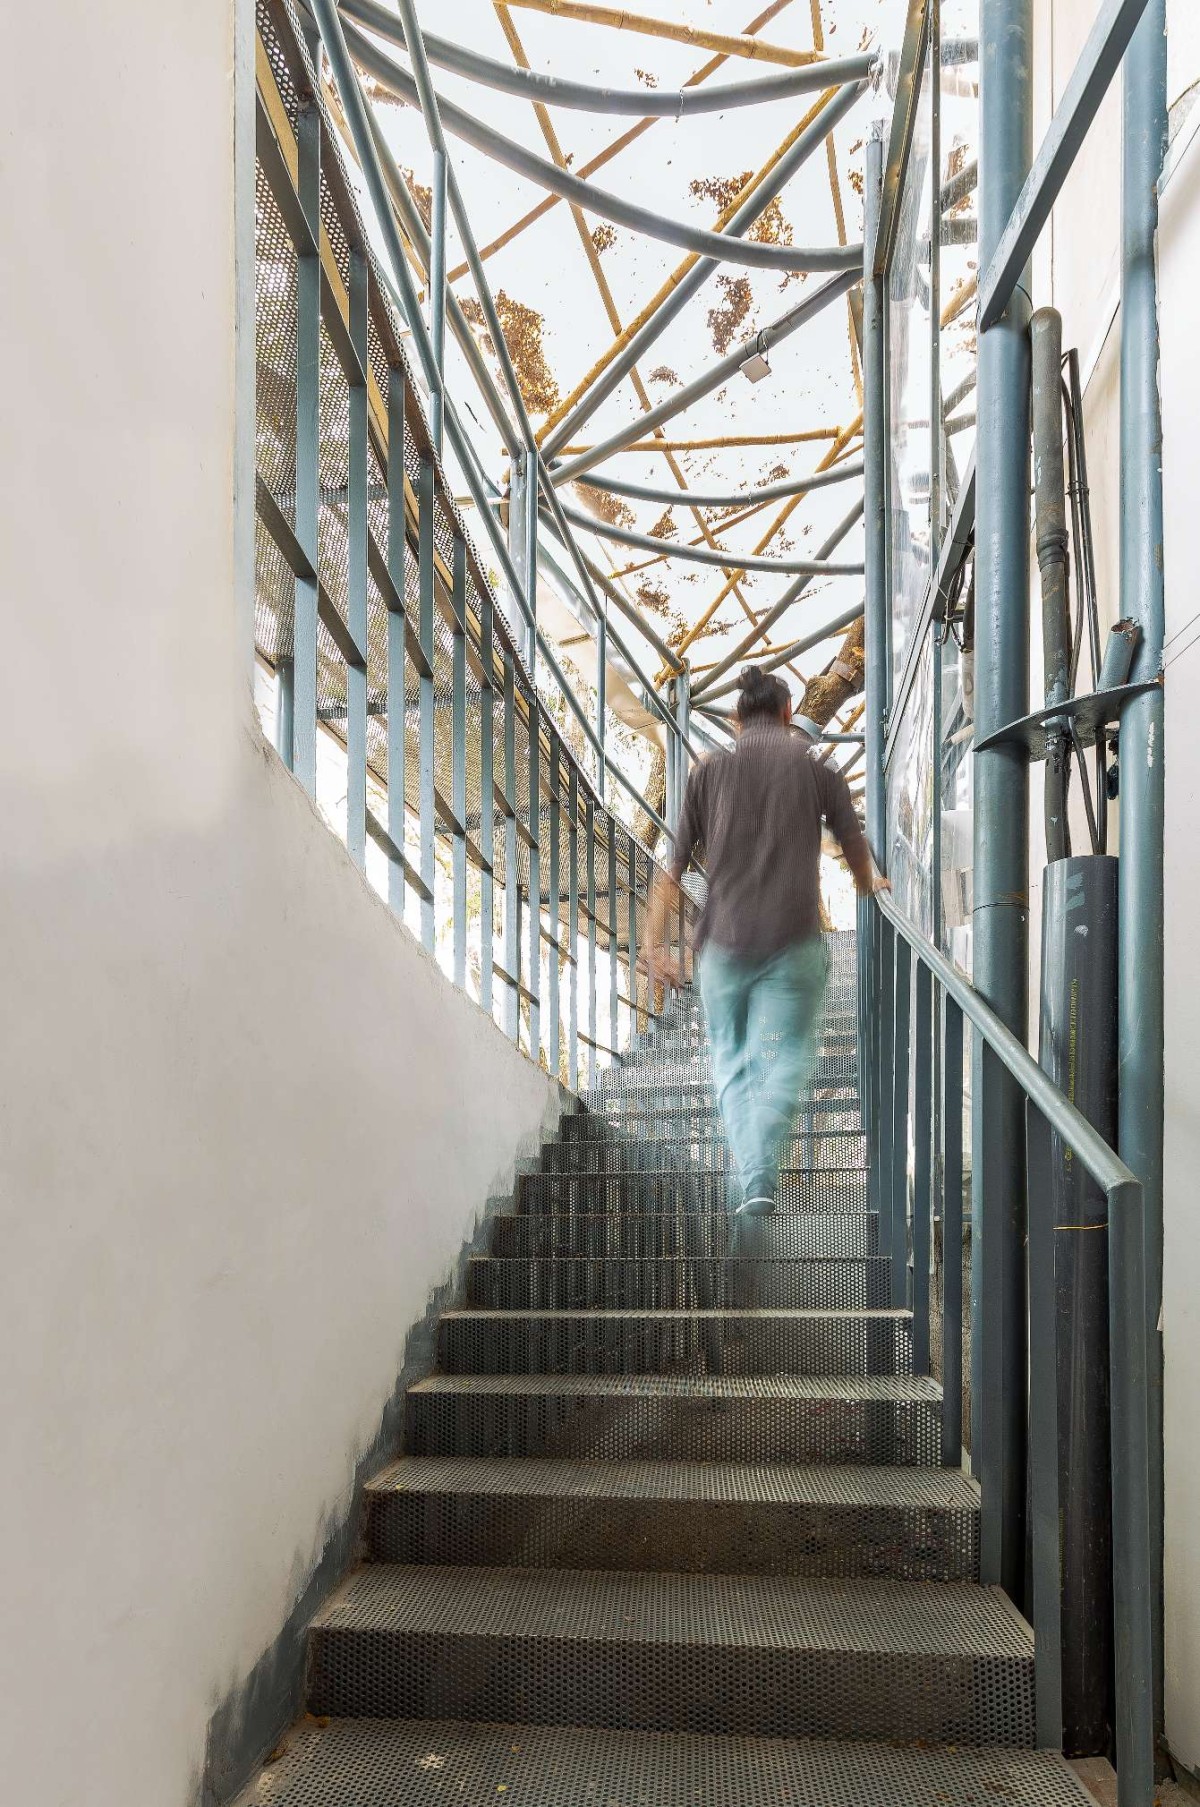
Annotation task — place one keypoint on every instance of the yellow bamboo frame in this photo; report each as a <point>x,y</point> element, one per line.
<point>619,18</point>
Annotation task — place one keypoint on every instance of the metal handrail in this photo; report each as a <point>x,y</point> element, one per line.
<point>1049,1112</point>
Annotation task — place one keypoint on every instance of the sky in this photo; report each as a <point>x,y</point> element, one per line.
<point>684,169</point>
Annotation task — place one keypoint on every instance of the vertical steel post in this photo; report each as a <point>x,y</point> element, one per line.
<point>458,758</point>
<point>437,295</point>
<point>512,883</point>
<point>602,699</point>
<point>899,1177</point>
<point>631,963</point>
<point>308,431</point>
<point>356,572</point>
<point>952,1227</point>
<point>535,880</point>
<point>881,1151</point>
<point>1045,1529</point>
<point>1001,800</point>
<point>590,831</point>
<point>531,541</point>
<point>1140,997</point>
<point>397,622</point>
<point>285,710</point>
<point>487,799</point>
<point>522,542</point>
<point>573,925</point>
<point>426,579</point>
<point>613,924</point>
<point>922,1166</point>
<point>554,896</point>
<point>875,624</point>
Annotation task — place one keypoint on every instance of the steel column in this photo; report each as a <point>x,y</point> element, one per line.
<point>554,898</point>
<point>922,1221</point>
<point>881,1162</point>
<point>1045,1531</point>
<point>589,818</point>
<point>1140,1005</point>
<point>952,1227</point>
<point>396,549</point>
<point>573,925</point>
<point>613,934</point>
<point>898,1189</point>
<point>512,903</point>
<point>458,759</point>
<point>437,294</point>
<point>356,570</point>
<point>1001,801</point>
<point>308,435</point>
<point>874,501</point>
<point>426,579</point>
<point>487,799</point>
<point>535,881</point>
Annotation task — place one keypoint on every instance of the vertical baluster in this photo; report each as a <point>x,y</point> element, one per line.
<point>356,572</point>
<point>573,924</point>
<point>458,757</point>
<point>308,428</point>
<point>923,1165</point>
<point>426,578</point>
<point>397,621</point>
<point>535,879</point>
<point>952,1225</point>
<point>487,798</point>
<point>512,908</point>
<point>899,1182</point>
<point>1043,1435</point>
<point>554,897</point>
<point>636,1021</point>
<point>590,832</point>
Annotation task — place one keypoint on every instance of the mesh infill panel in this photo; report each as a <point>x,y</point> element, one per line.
<point>841,1343</point>
<point>647,1236</point>
<point>677,1283</point>
<point>425,1763</point>
<point>675,1516</point>
<point>778,1656</point>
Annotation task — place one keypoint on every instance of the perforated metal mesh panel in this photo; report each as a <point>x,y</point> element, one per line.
<point>779,1656</point>
<point>425,1763</point>
<point>675,1342</point>
<point>676,1516</point>
<point>677,1283</point>
<point>652,1235</point>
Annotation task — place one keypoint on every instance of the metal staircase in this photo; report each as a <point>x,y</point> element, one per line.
<point>671,1525</point>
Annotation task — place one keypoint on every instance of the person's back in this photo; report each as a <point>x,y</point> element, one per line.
<point>755,815</point>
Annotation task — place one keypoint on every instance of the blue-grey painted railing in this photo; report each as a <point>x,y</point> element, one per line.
<point>377,617</point>
<point>902,972</point>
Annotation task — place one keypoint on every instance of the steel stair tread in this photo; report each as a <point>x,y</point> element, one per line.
<point>903,1389</point>
<point>807,1484</point>
<point>667,1315</point>
<point>778,1612</point>
<point>424,1763</point>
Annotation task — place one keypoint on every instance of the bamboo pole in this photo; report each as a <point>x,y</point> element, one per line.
<point>677,275</point>
<point>621,19</point>
<point>590,252</point>
<point>839,212</point>
<point>839,445</point>
<point>722,443</point>
<point>613,149</point>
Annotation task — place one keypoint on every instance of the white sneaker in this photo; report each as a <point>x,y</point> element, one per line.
<point>755,1207</point>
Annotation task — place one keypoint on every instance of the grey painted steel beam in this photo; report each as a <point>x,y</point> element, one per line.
<point>904,116</point>
<point>510,155</point>
<point>1140,994</point>
<point>1001,808</point>
<point>1098,63</point>
<point>720,372</point>
<point>876,610</point>
<point>552,90</point>
<point>706,555</point>
<point>745,498</point>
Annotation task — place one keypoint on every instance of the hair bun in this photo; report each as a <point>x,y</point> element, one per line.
<point>760,693</point>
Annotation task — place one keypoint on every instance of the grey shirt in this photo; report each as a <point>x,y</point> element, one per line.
<point>755,815</point>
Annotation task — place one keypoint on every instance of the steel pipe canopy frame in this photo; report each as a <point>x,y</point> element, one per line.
<point>705,555</point>
<point>767,492</point>
<point>552,90</point>
<point>720,245</point>
<point>1140,992</point>
<point>1001,811</point>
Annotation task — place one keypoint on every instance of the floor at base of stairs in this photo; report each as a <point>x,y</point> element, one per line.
<point>427,1763</point>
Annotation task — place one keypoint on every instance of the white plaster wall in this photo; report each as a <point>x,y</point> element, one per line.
<point>245,1125</point>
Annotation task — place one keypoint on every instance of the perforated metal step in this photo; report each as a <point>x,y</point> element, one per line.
<point>729,1417</point>
<point>663,1342</point>
<point>701,1517</point>
<point>648,1235</point>
<point>778,1657</point>
<point>611,1283</point>
<point>427,1763</point>
<point>690,1158</point>
<point>646,1191</point>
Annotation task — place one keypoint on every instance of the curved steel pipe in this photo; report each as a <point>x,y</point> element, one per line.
<point>719,245</point>
<point>704,555</point>
<point>528,84</point>
<point>694,498</point>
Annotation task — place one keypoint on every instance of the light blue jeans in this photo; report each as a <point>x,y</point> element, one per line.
<point>763,1017</point>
